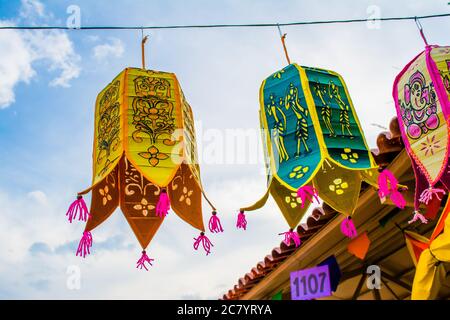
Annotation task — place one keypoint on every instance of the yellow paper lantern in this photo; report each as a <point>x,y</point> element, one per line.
<point>144,159</point>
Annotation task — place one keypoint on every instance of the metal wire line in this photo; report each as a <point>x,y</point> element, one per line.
<point>200,26</point>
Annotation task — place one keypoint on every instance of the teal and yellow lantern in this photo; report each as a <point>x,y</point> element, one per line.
<point>314,145</point>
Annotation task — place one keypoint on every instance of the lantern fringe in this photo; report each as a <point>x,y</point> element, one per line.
<point>163,205</point>
<point>307,193</point>
<point>388,187</point>
<point>348,228</point>
<point>241,222</point>
<point>215,226</point>
<point>418,216</point>
<point>427,194</point>
<point>144,259</point>
<point>85,244</point>
<point>206,243</point>
<point>78,207</point>
<point>398,199</point>
<point>291,235</point>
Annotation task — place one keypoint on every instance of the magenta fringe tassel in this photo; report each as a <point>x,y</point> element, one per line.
<point>163,205</point>
<point>388,187</point>
<point>307,193</point>
<point>215,226</point>
<point>84,245</point>
<point>348,228</point>
<point>78,207</point>
<point>241,222</point>
<point>206,243</point>
<point>418,216</point>
<point>291,235</point>
<point>144,259</point>
<point>427,194</point>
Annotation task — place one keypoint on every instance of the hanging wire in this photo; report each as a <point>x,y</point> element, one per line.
<point>250,25</point>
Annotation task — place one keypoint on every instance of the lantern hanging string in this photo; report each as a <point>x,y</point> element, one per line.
<point>209,202</point>
<point>250,25</point>
<point>144,40</point>
<point>419,26</point>
<point>283,39</point>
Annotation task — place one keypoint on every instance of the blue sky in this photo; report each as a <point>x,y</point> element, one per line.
<point>48,85</point>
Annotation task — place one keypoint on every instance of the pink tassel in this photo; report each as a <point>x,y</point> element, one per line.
<point>163,205</point>
<point>84,245</point>
<point>427,194</point>
<point>386,182</point>
<point>144,258</point>
<point>291,235</point>
<point>307,193</point>
<point>78,207</point>
<point>398,199</point>
<point>388,187</point>
<point>348,228</point>
<point>418,216</point>
<point>206,243</point>
<point>241,223</point>
<point>214,223</point>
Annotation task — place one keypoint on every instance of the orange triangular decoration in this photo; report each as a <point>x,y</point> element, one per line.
<point>359,246</point>
<point>415,244</point>
<point>144,228</point>
<point>186,197</point>
<point>138,198</point>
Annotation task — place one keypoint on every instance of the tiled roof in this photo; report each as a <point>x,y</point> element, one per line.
<point>389,145</point>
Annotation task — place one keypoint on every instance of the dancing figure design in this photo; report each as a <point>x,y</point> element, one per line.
<point>279,126</point>
<point>325,110</point>
<point>291,100</point>
<point>344,119</point>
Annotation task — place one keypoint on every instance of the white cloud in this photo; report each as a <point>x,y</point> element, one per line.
<point>92,38</point>
<point>55,48</point>
<point>40,236</point>
<point>38,196</point>
<point>21,49</point>
<point>114,48</point>
<point>32,8</point>
<point>15,64</point>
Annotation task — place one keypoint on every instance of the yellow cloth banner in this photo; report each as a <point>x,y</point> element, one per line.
<point>429,254</point>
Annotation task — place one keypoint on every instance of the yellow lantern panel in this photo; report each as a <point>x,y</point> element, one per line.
<point>153,113</point>
<point>108,134</point>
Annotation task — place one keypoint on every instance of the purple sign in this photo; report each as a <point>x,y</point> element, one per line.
<point>310,283</point>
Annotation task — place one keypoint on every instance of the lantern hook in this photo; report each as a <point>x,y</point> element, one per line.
<point>419,26</point>
<point>144,39</point>
<point>283,37</point>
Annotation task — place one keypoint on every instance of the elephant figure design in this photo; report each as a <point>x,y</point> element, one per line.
<point>279,126</point>
<point>291,100</point>
<point>418,110</point>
